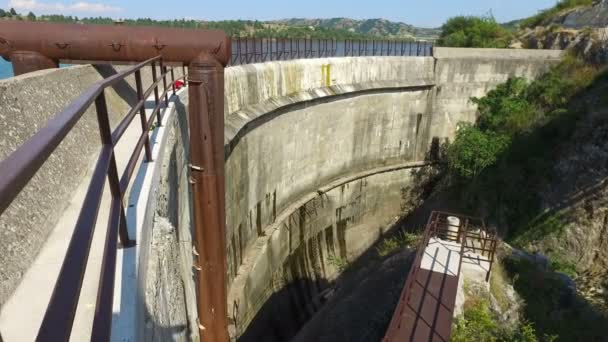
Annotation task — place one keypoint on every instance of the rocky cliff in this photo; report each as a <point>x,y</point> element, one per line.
<point>583,30</point>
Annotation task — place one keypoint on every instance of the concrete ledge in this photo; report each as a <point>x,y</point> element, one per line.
<point>256,84</point>
<point>452,53</point>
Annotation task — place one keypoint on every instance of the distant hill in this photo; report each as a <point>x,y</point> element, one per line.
<point>381,28</point>
<point>336,28</point>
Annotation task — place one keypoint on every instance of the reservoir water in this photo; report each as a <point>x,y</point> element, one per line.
<point>6,70</point>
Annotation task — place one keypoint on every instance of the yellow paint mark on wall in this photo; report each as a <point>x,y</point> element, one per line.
<point>326,74</point>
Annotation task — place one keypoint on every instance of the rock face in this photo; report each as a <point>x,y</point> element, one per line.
<point>583,30</point>
<point>577,201</point>
<point>590,43</point>
<point>595,16</point>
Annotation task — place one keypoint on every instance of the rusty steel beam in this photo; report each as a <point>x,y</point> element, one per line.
<point>34,46</point>
<point>206,113</point>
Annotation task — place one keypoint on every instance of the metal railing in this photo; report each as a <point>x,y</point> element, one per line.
<point>259,50</point>
<point>22,165</point>
<point>438,226</point>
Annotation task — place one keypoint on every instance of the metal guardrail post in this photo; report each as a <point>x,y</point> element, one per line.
<point>156,98</point>
<point>206,112</point>
<point>173,81</point>
<point>142,114</point>
<point>163,71</point>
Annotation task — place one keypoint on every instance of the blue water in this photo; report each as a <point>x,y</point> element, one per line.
<point>6,70</point>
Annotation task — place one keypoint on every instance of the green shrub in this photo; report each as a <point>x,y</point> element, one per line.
<point>513,146</point>
<point>476,324</point>
<point>473,150</point>
<point>483,32</point>
<point>506,109</point>
<point>338,262</point>
<point>395,243</point>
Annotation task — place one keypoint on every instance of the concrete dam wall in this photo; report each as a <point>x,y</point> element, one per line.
<point>321,156</point>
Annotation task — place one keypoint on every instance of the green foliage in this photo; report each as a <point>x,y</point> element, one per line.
<point>513,146</point>
<point>541,226</point>
<point>550,306</point>
<point>545,15</point>
<point>338,262</point>
<point>395,243</point>
<point>482,32</point>
<point>506,109</point>
<point>474,150</point>
<point>476,324</point>
<point>566,267</point>
<point>12,11</point>
<point>31,16</point>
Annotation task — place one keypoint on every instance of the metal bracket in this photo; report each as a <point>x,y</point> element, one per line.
<point>200,326</point>
<point>196,168</point>
<point>116,46</point>
<point>158,45</point>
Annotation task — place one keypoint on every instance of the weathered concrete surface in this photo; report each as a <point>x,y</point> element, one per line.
<point>170,313</point>
<point>464,73</point>
<point>321,156</point>
<point>261,88</point>
<point>279,151</point>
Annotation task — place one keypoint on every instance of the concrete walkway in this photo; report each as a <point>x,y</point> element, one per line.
<point>22,314</point>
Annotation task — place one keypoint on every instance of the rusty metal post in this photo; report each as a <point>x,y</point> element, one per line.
<point>142,114</point>
<point>206,112</point>
<point>156,98</point>
<point>163,73</point>
<point>173,80</point>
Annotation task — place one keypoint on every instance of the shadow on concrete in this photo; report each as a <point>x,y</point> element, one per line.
<point>357,306</point>
<point>122,87</point>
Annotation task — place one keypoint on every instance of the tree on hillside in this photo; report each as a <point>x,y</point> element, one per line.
<point>482,32</point>
<point>2,13</point>
<point>12,11</point>
<point>31,16</point>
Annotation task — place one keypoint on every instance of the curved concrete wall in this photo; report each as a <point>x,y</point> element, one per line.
<point>295,132</point>
<point>321,156</point>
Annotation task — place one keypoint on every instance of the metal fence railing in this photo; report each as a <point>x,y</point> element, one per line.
<point>18,168</point>
<point>259,50</point>
<point>439,226</point>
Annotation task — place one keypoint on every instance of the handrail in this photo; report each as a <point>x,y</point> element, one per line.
<point>259,50</point>
<point>19,167</point>
<point>432,229</point>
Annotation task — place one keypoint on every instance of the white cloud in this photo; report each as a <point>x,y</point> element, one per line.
<point>60,8</point>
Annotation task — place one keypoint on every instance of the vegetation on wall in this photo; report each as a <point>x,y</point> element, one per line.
<point>471,31</point>
<point>512,147</point>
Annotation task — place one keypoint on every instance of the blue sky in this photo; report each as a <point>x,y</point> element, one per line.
<point>429,13</point>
